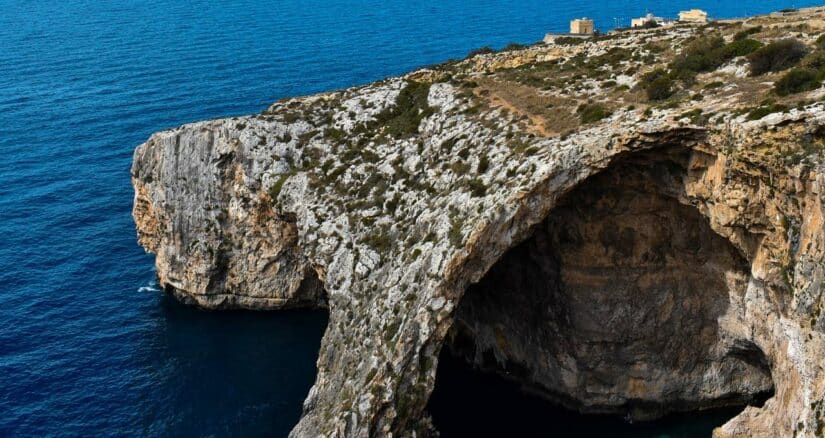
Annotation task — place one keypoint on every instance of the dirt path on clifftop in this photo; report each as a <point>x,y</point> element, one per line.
<point>546,116</point>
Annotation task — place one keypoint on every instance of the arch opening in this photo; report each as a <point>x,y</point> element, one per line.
<point>619,303</point>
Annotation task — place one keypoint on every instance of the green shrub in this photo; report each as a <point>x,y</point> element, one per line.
<point>741,35</point>
<point>275,189</point>
<point>513,46</point>
<point>477,188</point>
<point>455,235</point>
<point>568,41</point>
<point>410,108</point>
<point>335,134</point>
<point>657,85</point>
<point>659,89</point>
<point>764,110</point>
<point>820,42</point>
<point>700,55</point>
<point>797,81</point>
<point>379,240</point>
<point>480,51</point>
<point>816,60</point>
<point>593,112</point>
<point>695,116</point>
<point>483,164</point>
<point>741,47</point>
<point>459,167</point>
<point>708,53</point>
<point>777,56</point>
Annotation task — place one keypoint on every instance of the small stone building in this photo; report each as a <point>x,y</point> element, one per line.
<point>693,16</point>
<point>581,26</point>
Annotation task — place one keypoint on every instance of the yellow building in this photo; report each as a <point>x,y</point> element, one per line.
<point>581,26</point>
<point>693,16</point>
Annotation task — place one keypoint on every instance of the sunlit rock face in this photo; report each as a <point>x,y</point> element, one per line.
<point>614,303</point>
<point>675,253</point>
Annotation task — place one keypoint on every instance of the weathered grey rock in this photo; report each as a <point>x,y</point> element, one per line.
<point>387,214</point>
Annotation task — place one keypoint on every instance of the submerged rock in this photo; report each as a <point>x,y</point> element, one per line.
<point>660,257</point>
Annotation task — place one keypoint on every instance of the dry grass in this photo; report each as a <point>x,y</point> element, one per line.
<point>546,114</point>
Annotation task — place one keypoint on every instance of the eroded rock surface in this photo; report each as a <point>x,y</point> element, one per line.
<point>614,304</point>
<point>386,202</point>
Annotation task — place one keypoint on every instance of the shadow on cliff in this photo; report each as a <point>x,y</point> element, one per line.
<point>620,303</point>
<point>468,402</point>
<point>233,372</point>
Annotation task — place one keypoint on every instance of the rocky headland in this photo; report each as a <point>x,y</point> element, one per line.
<point>630,224</point>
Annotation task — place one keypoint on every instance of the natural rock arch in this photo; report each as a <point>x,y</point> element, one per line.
<point>235,223</point>
<point>614,303</point>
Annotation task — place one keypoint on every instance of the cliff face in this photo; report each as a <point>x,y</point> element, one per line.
<point>619,302</point>
<point>643,260</point>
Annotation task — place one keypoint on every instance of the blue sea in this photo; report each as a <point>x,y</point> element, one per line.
<point>88,344</point>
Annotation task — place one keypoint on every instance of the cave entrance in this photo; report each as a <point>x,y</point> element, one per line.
<point>617,304</point>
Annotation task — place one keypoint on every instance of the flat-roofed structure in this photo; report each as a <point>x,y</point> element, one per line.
<point>693,16</point>
<point>581,26</point>
<point>648,20</point>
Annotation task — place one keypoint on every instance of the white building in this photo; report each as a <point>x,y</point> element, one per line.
<point>646,20</point>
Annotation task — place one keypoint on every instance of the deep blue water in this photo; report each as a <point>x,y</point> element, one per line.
<point>87,343</point>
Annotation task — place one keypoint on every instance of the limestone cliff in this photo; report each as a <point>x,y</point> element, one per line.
<point>545,213</point>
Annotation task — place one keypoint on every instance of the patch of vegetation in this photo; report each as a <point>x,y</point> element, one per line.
<point>658,85</point>
<point>650,25</point>
<point>592,112</point>
<point>480,51</point>
<point>765,109</point>
<point>335,134</point>
<point>379,240</point>
<point>483,164</point>
<point>291,117</point>
<point>568,41</point>
<point>275,189</point>
<point>703,54</point>
<point>459,167</point>
<point>455,235</point>
<point>477,188</point>
<point>513,46</point>
<point>708,53</point>
<point>742,34</point>
<point>695,116</point>
<point>742,47</point>
<point>816,60</point>
<point>797,81</point>
<point>699,55</point>
<point>777,56</point>
<point>410,108</point>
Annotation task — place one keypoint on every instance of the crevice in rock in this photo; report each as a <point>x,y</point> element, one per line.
<point>619,302</point>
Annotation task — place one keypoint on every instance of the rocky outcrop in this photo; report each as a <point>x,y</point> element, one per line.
<point>644,262</point>
<point>218,241</point>
<point>619,302</point>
